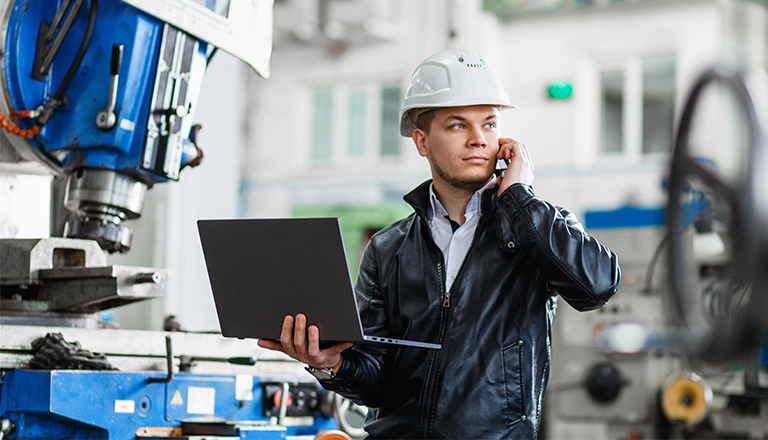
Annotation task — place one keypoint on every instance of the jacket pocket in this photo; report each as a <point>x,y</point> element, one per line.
<point>511,364</point>
<point>505,238</point>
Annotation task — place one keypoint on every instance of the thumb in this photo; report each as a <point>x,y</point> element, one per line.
<point>271,345</point>
<point>338,348</point>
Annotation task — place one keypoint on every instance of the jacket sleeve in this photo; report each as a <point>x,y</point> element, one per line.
<point>360,377</point>
<point>582,271</point>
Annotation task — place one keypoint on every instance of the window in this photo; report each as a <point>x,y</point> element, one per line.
<point>352,123</point>
<point>612,105</point>
<point>358,104</point>
<point>220,7</point>
<point>637,107</point>
<point>322,141</point>
<point>390,121</point>
<point>658,104</point>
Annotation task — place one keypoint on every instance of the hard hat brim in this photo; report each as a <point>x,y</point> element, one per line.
<point>408,122</point>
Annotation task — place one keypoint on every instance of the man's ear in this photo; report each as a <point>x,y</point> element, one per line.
<point>420,139</point>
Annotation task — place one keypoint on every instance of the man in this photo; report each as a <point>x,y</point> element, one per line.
<point>476,269</point>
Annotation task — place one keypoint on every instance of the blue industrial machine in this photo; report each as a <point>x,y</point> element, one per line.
<point>124,405</point>
<point>101,95</point>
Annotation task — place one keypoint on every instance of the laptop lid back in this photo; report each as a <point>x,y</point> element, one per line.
<point>264,269</point>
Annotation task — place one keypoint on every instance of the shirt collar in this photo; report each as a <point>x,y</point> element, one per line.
<point>473,206</point>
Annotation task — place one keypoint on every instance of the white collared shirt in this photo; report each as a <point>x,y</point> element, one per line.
<point>454,243</point>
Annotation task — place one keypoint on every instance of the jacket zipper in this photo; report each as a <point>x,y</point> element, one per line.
<point>438,371</point>
<point>435,369</point>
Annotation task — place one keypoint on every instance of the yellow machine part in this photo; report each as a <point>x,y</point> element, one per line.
<point>686,398</point>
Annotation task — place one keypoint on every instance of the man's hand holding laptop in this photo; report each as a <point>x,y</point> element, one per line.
<point>303,344</point>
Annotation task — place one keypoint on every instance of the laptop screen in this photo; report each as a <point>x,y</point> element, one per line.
<point>264,269</point>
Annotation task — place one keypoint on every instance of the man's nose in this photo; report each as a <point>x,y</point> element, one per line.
<point>477,138</point>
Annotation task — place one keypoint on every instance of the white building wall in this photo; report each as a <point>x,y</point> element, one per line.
<point>279,131</point>
<point>528,51</point>
<point>564,136</point>
<point>261,129</point>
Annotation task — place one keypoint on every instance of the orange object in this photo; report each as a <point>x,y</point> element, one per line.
<point>27,133</point>
<point>279,397</point>
<point>332,435</point>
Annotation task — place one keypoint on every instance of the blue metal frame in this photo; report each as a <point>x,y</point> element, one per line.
<point>111,404</point>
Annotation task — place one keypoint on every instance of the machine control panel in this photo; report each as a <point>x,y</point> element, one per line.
<point>292,400</point>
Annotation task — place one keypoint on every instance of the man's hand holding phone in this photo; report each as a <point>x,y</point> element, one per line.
<point>519,164</point>
<point>303,344</point>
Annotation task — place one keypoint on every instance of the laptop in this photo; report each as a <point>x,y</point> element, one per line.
<point>264,269</point>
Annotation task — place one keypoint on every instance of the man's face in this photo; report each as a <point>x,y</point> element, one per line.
<point>461,145</point>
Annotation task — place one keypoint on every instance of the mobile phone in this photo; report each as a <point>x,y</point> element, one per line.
<point>501,166</point>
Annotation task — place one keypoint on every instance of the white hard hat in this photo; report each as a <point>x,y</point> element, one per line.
<point>452,78</point>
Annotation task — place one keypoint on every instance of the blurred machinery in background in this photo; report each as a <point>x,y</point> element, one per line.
<point>599,393</point>
<point>100,95</point>
<point>680,352</point>
<point>718,252</point>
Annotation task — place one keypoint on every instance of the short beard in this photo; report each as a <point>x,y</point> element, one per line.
<point>468,183</point>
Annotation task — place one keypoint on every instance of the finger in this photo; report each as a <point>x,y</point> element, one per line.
<point>515,149</point>
<point>525,151</point>
<point>314,341</point>
<point>338,348</point>
<point>503,153</point>
<point>510,154</point>
<point>271,345</point>
<point>300,333</point>
<point>506,141</point>
<point>286,336</point>
<point>504,145</point>
<point>522,152</point>
<point>527,158</point>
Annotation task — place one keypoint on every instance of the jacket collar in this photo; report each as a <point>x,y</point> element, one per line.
<point>419,199</point>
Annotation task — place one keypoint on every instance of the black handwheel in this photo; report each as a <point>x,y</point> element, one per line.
<point>721,308</point>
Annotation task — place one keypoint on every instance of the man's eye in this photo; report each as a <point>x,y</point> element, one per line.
<point>457,126</point>
<point>490,125</point>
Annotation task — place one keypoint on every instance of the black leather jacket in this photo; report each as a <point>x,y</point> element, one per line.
<point>489,378</point>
